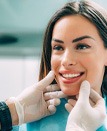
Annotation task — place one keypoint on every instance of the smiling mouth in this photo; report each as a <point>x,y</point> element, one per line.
<point>71,76</point>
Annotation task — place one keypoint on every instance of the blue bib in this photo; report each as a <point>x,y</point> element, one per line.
<point>56,122</point>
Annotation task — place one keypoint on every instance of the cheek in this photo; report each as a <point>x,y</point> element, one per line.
<point>54,63</point>
<point>94,72</point>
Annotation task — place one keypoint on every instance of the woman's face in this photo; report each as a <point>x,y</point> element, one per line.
<point>78,54</point>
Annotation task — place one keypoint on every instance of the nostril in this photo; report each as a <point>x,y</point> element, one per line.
<point>69,63</point>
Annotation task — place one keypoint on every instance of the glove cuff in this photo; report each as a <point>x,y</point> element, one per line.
<point>19,110</point>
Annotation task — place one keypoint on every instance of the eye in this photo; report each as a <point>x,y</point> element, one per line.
<point>82,46</point>
<point>58,48</point>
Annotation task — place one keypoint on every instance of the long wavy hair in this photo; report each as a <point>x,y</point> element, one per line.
<point>90,10</point>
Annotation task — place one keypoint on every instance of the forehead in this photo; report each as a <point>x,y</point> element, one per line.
<point>74,25</point>
<point>72,20</point>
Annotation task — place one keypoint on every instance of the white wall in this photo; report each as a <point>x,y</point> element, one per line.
<point>17,74</point>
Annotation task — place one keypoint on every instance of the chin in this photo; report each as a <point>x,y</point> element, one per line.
<point>70,92</point>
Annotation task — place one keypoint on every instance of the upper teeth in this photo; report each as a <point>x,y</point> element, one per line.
<point>70,75</point>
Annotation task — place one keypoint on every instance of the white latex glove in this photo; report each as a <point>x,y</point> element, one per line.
<point>72,101</point>
<point>32,104</point>
<point>84,117</point>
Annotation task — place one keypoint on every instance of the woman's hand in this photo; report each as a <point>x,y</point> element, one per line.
<point>38,101</point>
<point>84,116</point>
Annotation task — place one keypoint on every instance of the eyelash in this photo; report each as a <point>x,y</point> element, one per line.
<point>57,47</point>
<point>78,47</point>
<point>81,46</point>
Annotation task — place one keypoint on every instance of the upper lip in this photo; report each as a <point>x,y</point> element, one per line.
<point>70,72</point>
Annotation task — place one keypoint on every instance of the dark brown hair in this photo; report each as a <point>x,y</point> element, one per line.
<point>90,10</point>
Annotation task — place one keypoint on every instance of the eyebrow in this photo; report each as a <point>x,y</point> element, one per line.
<point>82,37</point>
<point>75,40</point>
<point>57,40</point>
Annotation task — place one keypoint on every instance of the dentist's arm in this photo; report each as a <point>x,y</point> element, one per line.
<point>84,117</point>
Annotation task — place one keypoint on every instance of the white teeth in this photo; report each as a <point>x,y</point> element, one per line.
<point>70,75</point>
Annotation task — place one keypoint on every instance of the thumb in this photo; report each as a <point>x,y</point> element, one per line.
<point>46,81</point>
<point>84,91</point>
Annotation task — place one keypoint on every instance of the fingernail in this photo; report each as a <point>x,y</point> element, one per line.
<point>57,101</point>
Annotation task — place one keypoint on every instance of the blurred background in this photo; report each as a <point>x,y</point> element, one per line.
<point>22,25</point>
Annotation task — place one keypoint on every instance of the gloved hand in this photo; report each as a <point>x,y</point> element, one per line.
<point>32,104</point>
<point>83,116</point>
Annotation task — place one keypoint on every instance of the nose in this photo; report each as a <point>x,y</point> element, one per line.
<point>69,59</point>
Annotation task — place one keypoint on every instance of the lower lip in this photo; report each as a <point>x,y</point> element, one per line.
<point>71,80</point>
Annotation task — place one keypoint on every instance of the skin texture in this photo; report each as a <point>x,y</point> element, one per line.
<point>77,48</point>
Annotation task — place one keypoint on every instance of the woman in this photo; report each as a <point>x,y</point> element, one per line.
<point>74,48</point>
<point>93,13</point>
